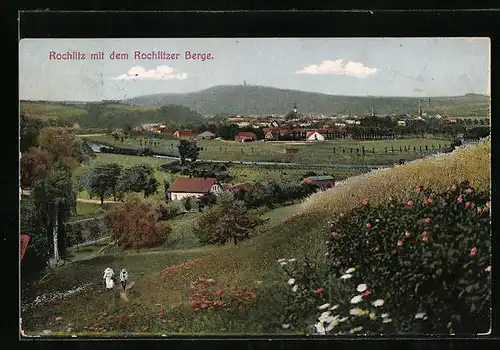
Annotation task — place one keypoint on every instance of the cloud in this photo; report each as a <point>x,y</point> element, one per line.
<point>337,67</point>
<point>158,73</point>
<point>418,90</point>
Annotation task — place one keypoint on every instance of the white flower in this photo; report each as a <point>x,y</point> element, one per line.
<point>320,329</point>
<point>384,315</point>
<point>292,260</point>
<point>356,311</point>
<point>378,302</point>
<point>258,282</point>
<point>420,315</point>
<point>326,254</point>
<point>346,276</point>
<point>210,280</point>
<point>295,288</point>
<point>324,316</point>
<point>324,306</point>
<point>334,307</point>
<point>361,288</point>
<point>356,299</point>
<point>291,281</point>
<point>281,260</point>
<point>283,263</point>
<point>331,326</point>
<point>285,326</point>
<point>386,320</point>
<point>488,269</point>
<point>343,319</point>
<point>351,270</point>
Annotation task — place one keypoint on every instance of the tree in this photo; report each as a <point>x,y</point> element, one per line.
<point>187,204</point>
<point>127,129</point>
<point>188,149</point>
<point>34,163</point>
<point>63,145</point>
<point>29,132</point>
<point>166,190</point>
<point>138,178</point>
<point>102,180</point>
<point>55,199</point>
<point>135,224</point>
<point>226,221</point>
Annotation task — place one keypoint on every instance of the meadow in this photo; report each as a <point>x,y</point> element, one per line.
<point>377,152</point>
<point>158,303</point>
<point>45,110</point>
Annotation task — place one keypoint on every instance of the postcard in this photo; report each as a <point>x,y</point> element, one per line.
<point>255,186</point>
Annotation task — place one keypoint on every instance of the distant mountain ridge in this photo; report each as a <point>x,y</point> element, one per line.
<point>250,99</point>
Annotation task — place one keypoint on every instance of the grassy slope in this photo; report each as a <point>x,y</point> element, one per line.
<point>45,110</point>
<point>286,235</point>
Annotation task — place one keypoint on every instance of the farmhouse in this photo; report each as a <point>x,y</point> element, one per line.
<point>245,136</point>
<point>193,187</point>
<point>320,181</point>
<point>207,135</point>
<point>182,134</point>
<point>314,136</point>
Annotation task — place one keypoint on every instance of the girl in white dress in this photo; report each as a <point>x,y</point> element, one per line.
<point>108,276</point>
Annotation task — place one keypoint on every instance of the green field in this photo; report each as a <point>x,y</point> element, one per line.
<point>46,110</point>
<point>328,152</point>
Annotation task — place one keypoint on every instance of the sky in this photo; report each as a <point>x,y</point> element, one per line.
<point>337,66</point>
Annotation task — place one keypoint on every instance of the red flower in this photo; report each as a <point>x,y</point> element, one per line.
<point>377,249</point>
<point>365,202</point>
<point>202,279</point>
<point>334,234</point>
<point>197,310</point>
<point>460,199</point>
<point>410,203</point>
<point>124,315</point>
<point>407,234</point>
<point>419,188</point>
<point>428,201</point>
<point>467,204</point>
<point>237,295</point>
<point>400,243</point>
<point>161,314</point>
<point>443,204</point>
<point>368,225</point>
<point>469,190</point>
<point>428,220</point>
<point>234,288</point>
<point>367,293</point>
<point>425,236</point>
<point>319,291</point>
<point>473,251</point>
<point>453,188</point>
<point>479,210</point>
<point>219,292</point>
<point>244,288</point>
<point>488,204</point>
<point>241,308</point>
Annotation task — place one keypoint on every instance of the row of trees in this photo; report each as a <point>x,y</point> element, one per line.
<point>111,179</point>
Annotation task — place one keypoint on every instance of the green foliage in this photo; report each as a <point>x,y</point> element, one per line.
<point>55,199</point>
<point>274,193</point>
<point>29,132</point>
<point>429,255</point>
<point>228,220</point>
<point>138,178</point>
<point>188,149</point>
<point>102,180</point>
<point>169,210</point>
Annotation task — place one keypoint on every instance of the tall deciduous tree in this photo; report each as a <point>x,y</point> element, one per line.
<point>63,145</point>
<point>55,199</point>
<point>138,178</point>
<point>102,180</point>
<point>29,132</point>
<point>188,149</point>
<point>34,163</point>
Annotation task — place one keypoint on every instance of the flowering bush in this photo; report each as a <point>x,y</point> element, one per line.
<point>206,295</point>
<point>429,255</point>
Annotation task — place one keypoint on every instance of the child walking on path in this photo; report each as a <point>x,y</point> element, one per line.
<point>108,276</point>
<point>123,278</point>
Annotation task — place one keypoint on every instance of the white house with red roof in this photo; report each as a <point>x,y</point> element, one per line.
<point>314,136</point>
<point>193,187</point>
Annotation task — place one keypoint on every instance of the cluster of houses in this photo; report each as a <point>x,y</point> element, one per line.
<point>185,187</point>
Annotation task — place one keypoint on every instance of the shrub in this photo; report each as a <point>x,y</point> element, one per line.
<point>228,220</point>
<point>429,255</point>
<point>134,224</point>
<point>169,210</point>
